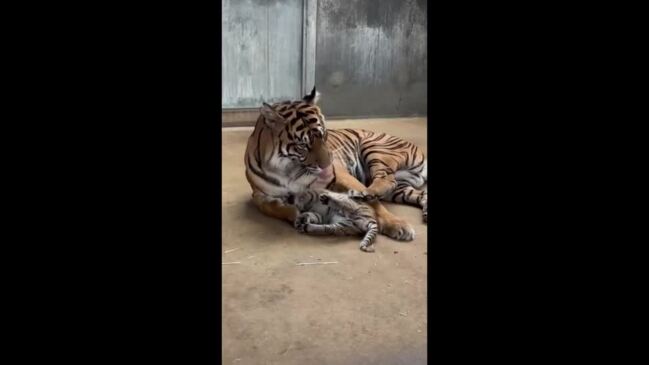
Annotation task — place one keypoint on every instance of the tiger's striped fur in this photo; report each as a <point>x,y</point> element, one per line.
<point>393,169</point>
<point>330,213</point>
<point>286,151</point>
<point>291,150</point>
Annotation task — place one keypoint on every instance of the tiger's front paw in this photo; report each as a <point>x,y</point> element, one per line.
<point>355,194</point>
<point>397,229</point>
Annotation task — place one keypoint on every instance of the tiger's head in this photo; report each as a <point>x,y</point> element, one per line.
<point>300,131</point>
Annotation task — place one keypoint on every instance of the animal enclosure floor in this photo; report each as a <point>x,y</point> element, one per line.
<point>368,308</point>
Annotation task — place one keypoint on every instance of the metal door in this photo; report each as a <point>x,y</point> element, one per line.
<point>268,51</point>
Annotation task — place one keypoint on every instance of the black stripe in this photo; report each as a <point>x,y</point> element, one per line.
<point>300,173</point>
<point>419,164</point>
<point>301,127</point>
<point>269,179</point>
<point>409,194</point>
<point>311,183</point>
<point>346,146</point>
<point>332,182</point>
<point>395,196</point>
<point>372,140</point>
<point>258,154</point>
<point>354,133</point>
<point>366,154</point>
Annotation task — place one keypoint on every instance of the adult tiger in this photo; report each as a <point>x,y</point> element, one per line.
<point>291,150</point>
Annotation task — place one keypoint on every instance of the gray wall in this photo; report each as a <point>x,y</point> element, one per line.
<point>371,57</point>
<point>367,57</point>
<point>261,51</point>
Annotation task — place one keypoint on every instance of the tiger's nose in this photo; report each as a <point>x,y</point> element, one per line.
<point>325,162</point>
<point>322,155</point>
<point>322,165</point>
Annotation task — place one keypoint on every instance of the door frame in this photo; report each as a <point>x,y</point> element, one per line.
<point>236,117</point>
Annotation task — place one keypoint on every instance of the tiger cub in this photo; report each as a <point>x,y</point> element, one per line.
<point>328,213</point>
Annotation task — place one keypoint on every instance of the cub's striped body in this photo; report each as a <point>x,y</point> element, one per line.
<point>324,212</point>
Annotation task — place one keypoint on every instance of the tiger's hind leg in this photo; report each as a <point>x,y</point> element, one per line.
<point>389,224</point>
<point>411,189</point>
<point>388,159</point>
<point>383,179</point>
<point>406,194</point>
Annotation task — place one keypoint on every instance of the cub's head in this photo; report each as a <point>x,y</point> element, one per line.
<point>299,129</point>
<point>303,200</point>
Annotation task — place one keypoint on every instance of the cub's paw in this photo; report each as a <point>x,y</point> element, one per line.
<point>324,199</point>
<point>302,220</point>
<point>367,248</point>
<point>301,227</point>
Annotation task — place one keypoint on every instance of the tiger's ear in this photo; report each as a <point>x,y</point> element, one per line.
<point>271,117</point>
<point>312,98</point>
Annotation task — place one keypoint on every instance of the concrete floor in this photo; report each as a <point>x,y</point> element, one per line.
<point>369,308</point>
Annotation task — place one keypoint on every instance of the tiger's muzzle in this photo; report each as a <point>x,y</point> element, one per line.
<point>319,158</point>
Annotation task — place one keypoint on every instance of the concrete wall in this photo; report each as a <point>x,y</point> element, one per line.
<point>261,51</point>
<point>367,57</point>
<point>371,57</point>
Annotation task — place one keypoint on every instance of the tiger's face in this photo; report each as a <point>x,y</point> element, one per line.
<point>301,134</point>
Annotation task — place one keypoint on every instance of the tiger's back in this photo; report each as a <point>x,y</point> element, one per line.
<point>360,151</point>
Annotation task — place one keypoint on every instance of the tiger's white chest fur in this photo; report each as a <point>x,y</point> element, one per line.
<point>292,177</point>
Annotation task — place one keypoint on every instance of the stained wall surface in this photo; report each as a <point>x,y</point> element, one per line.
<point>371,57</point>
